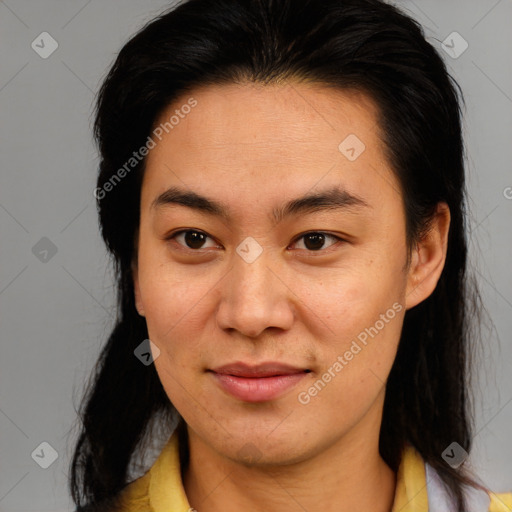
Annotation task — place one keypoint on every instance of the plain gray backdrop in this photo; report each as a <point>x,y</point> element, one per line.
<point>56,288</point>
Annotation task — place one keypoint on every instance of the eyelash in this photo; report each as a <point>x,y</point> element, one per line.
<point>172,236</point>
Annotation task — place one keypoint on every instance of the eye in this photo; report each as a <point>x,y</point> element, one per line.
<point>314,240</point>
<point>193,238</point>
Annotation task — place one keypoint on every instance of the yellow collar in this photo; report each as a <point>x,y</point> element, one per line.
<point>411,483</point>
<point>161,488</point>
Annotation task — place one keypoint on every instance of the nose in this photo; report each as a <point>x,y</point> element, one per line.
<point>255,296</point>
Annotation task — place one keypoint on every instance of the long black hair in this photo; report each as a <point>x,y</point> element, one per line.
<point>366,45</point>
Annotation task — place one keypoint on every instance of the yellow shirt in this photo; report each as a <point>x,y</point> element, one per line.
<point>161,488</point>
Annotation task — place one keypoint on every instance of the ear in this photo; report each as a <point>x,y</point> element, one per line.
<point>428,258</point>
<point>135,277</point>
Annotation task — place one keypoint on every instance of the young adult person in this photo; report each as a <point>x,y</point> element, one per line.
<point>282,189</point>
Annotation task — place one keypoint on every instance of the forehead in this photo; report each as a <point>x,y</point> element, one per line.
<point>289,115</point>
<point>245,140</point>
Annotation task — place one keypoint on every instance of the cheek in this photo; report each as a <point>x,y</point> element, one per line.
<point>365,327</point>
<point>171,303</point>
<point>355,364</point>
<point>349,299</point>
<point>171,293</point>
<point>363,309</point>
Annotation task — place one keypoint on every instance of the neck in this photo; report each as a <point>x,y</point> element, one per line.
<point>346,476</point>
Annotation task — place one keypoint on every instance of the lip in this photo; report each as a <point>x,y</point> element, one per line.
<point>267,369</point>
<point>259,383</point>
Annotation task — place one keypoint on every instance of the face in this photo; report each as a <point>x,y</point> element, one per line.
<point>277,299</point>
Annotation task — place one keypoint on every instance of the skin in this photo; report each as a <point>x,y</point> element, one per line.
<point>254,147</point>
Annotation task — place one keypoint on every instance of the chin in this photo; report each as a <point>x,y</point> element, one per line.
<point>261,450</point>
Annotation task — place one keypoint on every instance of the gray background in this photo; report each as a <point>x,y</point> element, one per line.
<point>56,314</point>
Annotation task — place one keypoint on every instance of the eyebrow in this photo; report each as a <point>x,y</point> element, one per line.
<point>329,199</point>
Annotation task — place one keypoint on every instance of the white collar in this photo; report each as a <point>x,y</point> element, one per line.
<point>439,500</point>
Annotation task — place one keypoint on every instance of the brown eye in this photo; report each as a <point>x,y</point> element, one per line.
<point>315,240</point>
<point>192,238</point>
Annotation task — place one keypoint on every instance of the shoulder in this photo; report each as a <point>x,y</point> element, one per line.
<point>477,500</point>
<point>133,498</point>
<point>501,502</point>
